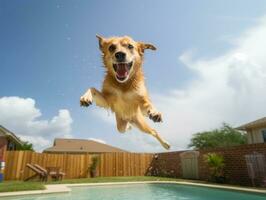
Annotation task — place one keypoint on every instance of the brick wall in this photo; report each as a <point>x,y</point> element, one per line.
<point>166,164</point>
<point>169,164</point>
<point>235,164</point>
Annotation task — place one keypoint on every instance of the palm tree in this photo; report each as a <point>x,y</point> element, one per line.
<point>216,165</point>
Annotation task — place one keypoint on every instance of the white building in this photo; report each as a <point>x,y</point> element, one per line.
<point>256,131</point>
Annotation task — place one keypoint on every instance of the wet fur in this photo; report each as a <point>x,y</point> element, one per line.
<point>129,100</point>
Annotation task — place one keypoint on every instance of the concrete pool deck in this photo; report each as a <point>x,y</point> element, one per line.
<point>64,188</point>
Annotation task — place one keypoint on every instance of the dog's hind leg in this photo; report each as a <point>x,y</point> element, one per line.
<point>140,122</point>
<point>93,95</point>
<point>122,125</point>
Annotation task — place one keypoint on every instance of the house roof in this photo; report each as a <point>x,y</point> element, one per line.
<point>80,146</point>
<point>254,124</point>
<point>10,135</point>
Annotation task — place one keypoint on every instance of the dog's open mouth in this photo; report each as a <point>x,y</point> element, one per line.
<point>122,70</point>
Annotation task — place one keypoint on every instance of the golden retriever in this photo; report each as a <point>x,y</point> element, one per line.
<point>123,89</point>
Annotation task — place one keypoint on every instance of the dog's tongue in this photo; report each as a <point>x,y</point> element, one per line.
<point>122,70</point>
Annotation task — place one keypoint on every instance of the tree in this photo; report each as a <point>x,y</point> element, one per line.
<point>225,136</point>
<point>26,146</point>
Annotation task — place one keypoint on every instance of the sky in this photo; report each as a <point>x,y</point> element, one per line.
<point>209,67</point>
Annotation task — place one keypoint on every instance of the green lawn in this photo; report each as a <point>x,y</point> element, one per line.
<point>11,186</point>
<point>113,179</point>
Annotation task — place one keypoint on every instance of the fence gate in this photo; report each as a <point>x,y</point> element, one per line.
<point>189,161</point>
<point>256,165</point>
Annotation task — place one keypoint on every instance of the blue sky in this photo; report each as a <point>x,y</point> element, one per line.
<point>49,53</point>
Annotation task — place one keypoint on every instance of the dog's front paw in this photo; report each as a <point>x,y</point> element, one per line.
<point>155,116</point>
<point>86,99</point>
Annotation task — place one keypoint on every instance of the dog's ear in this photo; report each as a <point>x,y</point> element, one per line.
<point>101,41</point>
<point>144,46</point>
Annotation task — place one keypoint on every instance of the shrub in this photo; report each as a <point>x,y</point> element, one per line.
<point>94,165</point>
<point>216,165</point>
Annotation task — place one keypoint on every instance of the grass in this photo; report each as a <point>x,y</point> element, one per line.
<point>12,186</point>
<point>112,179</point>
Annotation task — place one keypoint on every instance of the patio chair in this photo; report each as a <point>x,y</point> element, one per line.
<point>53,172</point>
<point>38,173</point>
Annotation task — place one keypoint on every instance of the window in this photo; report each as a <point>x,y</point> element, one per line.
<point>264,135</point>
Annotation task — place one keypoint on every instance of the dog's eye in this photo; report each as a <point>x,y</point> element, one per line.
<point>130,46</point>
<point>112,48</point>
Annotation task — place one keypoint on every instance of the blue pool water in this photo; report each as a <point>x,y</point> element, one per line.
<point>146,192</point>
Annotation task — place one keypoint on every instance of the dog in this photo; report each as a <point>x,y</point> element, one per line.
<point>123,90</point>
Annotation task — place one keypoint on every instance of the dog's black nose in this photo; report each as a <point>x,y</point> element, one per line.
<point>120,56</point>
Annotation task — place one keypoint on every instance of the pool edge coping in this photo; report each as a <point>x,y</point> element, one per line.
<point>65,188</point>
<point>49,189</point>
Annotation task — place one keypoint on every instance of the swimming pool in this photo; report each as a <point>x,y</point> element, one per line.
<point>158,191</point>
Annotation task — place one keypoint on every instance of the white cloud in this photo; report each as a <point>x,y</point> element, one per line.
<point>228,88</point>
<point>21,116</point>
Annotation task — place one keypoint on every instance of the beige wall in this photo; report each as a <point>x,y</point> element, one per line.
<point>255,135</point>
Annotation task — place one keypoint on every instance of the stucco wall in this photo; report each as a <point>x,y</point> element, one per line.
<point>255,135</point>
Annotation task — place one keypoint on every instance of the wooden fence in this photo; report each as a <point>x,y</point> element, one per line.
<point>76,165</point>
